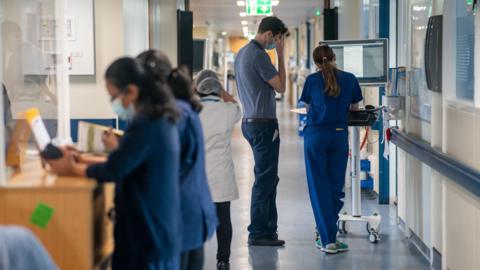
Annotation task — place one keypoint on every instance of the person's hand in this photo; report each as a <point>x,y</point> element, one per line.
<point>280,45</point>
<point>63,165</point>
<point>89,159</point>
<point>227,97</point>
<point>110,140</point>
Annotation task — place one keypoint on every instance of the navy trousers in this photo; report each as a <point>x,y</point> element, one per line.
<point>326,156</point>
<point>264,140</point>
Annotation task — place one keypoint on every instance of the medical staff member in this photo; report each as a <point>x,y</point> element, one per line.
<point>145,169</point>
<point>197,209</point>
<point>219,116</point>
<point>257,82</point>
<point>329,94</point>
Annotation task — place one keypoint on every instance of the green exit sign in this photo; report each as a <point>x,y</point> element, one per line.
<point>258,7</point>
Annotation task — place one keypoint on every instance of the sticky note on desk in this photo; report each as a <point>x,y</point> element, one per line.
<point>42,215</point>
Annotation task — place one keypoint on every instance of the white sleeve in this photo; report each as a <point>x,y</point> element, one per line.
<point>234,113</point>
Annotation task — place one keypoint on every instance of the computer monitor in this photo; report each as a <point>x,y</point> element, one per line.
<point>366,59</point>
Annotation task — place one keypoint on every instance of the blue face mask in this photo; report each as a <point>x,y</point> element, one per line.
<point>271,46</point>
<point>122,112</point>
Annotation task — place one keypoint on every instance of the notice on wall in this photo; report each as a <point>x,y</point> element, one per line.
<point>42,215</point>
<point>353,59</point>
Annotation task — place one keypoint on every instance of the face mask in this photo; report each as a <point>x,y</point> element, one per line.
<point>271,46</point>
<point>122,112</point>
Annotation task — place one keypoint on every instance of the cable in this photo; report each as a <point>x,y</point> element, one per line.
<point>364,138</point>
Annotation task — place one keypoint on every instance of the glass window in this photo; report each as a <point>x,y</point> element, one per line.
<point>32,61</point>
<point>420,98</point>
<point>465,52</point>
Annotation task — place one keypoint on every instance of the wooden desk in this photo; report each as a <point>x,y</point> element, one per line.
<point>79,235</point>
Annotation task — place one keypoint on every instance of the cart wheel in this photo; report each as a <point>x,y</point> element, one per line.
<point>373,238</point>
<point>342,227</point>
<point>368,228</point>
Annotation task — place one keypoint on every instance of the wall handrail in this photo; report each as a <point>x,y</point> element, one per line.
<point>456,171</point>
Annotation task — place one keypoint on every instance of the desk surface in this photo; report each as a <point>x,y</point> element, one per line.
<point>33,176</point>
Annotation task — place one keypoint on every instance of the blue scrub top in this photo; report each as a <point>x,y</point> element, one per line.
<point>326,111</point>
<point>198,211</point>
<point>145,169</point>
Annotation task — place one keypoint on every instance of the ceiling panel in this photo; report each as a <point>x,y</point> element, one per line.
<point>223,15</point>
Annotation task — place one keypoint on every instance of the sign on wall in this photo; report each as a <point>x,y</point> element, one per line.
<point>80,37</point>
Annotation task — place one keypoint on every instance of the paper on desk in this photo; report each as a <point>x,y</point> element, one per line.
<point>299,110</point>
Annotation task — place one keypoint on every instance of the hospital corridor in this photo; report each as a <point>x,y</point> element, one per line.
<point>240,135</point>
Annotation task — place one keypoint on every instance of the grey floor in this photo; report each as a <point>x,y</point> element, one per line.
<point>296,224</point>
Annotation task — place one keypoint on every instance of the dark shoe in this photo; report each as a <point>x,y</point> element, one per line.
<point>223,266</point>
<point>266,242</point>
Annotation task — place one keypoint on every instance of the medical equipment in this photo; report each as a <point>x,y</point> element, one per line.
<point>356,120</point>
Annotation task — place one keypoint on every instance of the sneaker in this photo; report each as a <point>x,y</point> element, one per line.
<point>223,266</point>
<point>318,244</point>
<point>341,247</point>
<point>330,248</point>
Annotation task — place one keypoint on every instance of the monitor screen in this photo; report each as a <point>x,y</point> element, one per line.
<point>366,59</point>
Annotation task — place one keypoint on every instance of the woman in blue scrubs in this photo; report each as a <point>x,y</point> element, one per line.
<point>329,94</point>
<point>145,169</point>
<point>198,211</point>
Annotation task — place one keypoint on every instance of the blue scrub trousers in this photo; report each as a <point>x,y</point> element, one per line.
<point>326,157</point>
<point>264,140</point>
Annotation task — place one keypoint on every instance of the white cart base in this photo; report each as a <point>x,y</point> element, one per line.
<point>373,225</point>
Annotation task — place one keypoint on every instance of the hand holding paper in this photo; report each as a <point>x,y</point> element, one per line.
<point>110,140</point>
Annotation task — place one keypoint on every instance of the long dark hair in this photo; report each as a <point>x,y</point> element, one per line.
<point>177,79</point>
<point>324,58</point>
<point>153,99</point>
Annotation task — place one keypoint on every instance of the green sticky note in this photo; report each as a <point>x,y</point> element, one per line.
<point>42,215</point>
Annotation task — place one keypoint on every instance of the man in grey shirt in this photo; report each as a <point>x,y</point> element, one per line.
<point>257,81</point>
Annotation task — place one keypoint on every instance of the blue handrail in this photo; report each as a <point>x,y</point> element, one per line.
<point>463,175</point>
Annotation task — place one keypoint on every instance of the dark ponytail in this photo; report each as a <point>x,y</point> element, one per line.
<point>324,58</point>
<point>178,80</point>
<point>181,84</point>
<point>154,99</point>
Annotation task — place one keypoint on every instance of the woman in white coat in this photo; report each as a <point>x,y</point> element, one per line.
<point>219,115</point>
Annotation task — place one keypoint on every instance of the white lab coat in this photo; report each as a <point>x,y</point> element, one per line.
<point>218,120</point>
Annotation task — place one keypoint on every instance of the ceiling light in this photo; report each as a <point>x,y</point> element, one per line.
<point>243,14</point>
<point>275,2</point>
<point>224,33</point>
<point>240,3</point>
<point>244,22</point>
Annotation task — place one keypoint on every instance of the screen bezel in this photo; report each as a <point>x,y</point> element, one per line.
<point>380,81</point>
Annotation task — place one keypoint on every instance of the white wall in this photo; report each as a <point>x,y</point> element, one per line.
<point>349,19</point>
<point>444,215</point>
<point>135,14</point>
<point>163,27</point>
<point>89,98</point>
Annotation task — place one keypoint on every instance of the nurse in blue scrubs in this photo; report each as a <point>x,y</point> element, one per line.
<point>145,169</point>
<point>198,211</point>
<point>329,94</point>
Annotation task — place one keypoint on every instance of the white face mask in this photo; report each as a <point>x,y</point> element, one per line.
<point>122,112</point>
